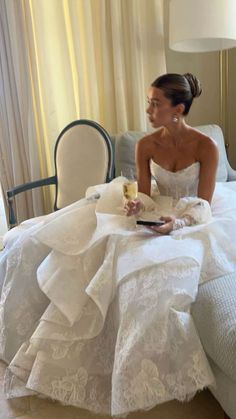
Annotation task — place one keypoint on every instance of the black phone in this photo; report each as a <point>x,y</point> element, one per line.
<point>157,223</point>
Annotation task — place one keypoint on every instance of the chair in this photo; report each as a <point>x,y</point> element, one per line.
<point>83,157</point>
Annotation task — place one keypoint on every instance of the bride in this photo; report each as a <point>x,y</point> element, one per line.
<point>95,311</point>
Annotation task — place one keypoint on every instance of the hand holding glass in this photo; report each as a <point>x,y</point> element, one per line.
<point>130,192</point>
<point>130,189</point>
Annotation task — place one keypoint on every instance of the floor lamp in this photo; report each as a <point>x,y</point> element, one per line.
<point>203,26</point>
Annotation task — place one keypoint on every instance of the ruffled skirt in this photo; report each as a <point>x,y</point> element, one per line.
<point>95,313</point>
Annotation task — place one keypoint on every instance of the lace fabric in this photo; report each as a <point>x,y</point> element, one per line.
<point>96,314</point>
<point>176,184</point>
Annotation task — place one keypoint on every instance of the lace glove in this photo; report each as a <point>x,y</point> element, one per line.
<point>190,211</point>
<point>183,222</point>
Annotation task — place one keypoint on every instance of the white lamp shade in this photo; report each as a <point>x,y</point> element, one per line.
<point>202,25</point>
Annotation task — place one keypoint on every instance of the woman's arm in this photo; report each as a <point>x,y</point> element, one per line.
<point>208,157</point>
<point>142,158</point>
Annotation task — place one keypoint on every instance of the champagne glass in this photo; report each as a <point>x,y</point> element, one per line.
<point>130,189</point>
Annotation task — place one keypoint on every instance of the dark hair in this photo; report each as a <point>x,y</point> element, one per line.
<point>179,88</point>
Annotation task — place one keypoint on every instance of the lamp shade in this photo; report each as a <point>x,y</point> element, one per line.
<point>202,25</point>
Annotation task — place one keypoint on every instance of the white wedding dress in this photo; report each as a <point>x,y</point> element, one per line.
<point>95,312</point>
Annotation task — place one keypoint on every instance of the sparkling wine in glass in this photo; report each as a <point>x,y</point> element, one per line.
<point>130,189</point>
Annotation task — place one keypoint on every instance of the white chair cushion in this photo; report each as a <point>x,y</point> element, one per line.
<point>82,160</point>
<point>215,132</point>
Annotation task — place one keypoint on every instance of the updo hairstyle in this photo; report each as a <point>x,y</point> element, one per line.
<point>179,88</point>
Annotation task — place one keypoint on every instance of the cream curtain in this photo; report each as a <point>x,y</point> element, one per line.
<point>18,150</point>
<point>89,59</point>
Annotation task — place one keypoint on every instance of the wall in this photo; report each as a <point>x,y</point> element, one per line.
<point>206,67</point>
<point>207,108</point>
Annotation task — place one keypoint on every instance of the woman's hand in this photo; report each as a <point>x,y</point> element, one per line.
<point>133,207</point>
<point>165,228</point>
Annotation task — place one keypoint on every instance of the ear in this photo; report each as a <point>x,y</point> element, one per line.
<point>180,108</point>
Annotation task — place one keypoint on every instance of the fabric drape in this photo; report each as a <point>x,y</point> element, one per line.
<point>19,161</point>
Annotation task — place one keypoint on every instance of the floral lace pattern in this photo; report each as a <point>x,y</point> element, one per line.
<point>104,323</point>
<point>71,388</point>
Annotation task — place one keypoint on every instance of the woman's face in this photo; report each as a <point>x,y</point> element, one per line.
<point>160,110</point>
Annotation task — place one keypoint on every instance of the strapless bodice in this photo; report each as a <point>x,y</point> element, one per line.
<point>176,184</point>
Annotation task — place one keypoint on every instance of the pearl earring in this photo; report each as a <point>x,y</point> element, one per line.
<point>175,119</point>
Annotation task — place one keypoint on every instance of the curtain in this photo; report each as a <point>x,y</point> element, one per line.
<point>18,149</point>
<point>90,59</point>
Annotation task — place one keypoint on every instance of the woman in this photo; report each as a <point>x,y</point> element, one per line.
<point>96,314</point>
<point>176,147</point>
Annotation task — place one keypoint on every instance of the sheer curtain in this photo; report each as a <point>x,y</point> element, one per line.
<point>18,147</point>
<point>82,59</point>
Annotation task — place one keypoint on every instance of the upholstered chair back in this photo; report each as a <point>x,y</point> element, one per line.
<point>83,157</point>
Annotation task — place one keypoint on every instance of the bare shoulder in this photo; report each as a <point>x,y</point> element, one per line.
<point>146,144</point>
<point>206,145</point>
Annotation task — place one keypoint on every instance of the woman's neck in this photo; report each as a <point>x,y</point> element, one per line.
<point>176,132</point>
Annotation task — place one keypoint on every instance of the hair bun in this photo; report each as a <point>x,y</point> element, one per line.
<point>194,83</point>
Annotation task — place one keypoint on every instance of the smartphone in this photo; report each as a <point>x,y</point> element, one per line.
<point>157,223</point>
